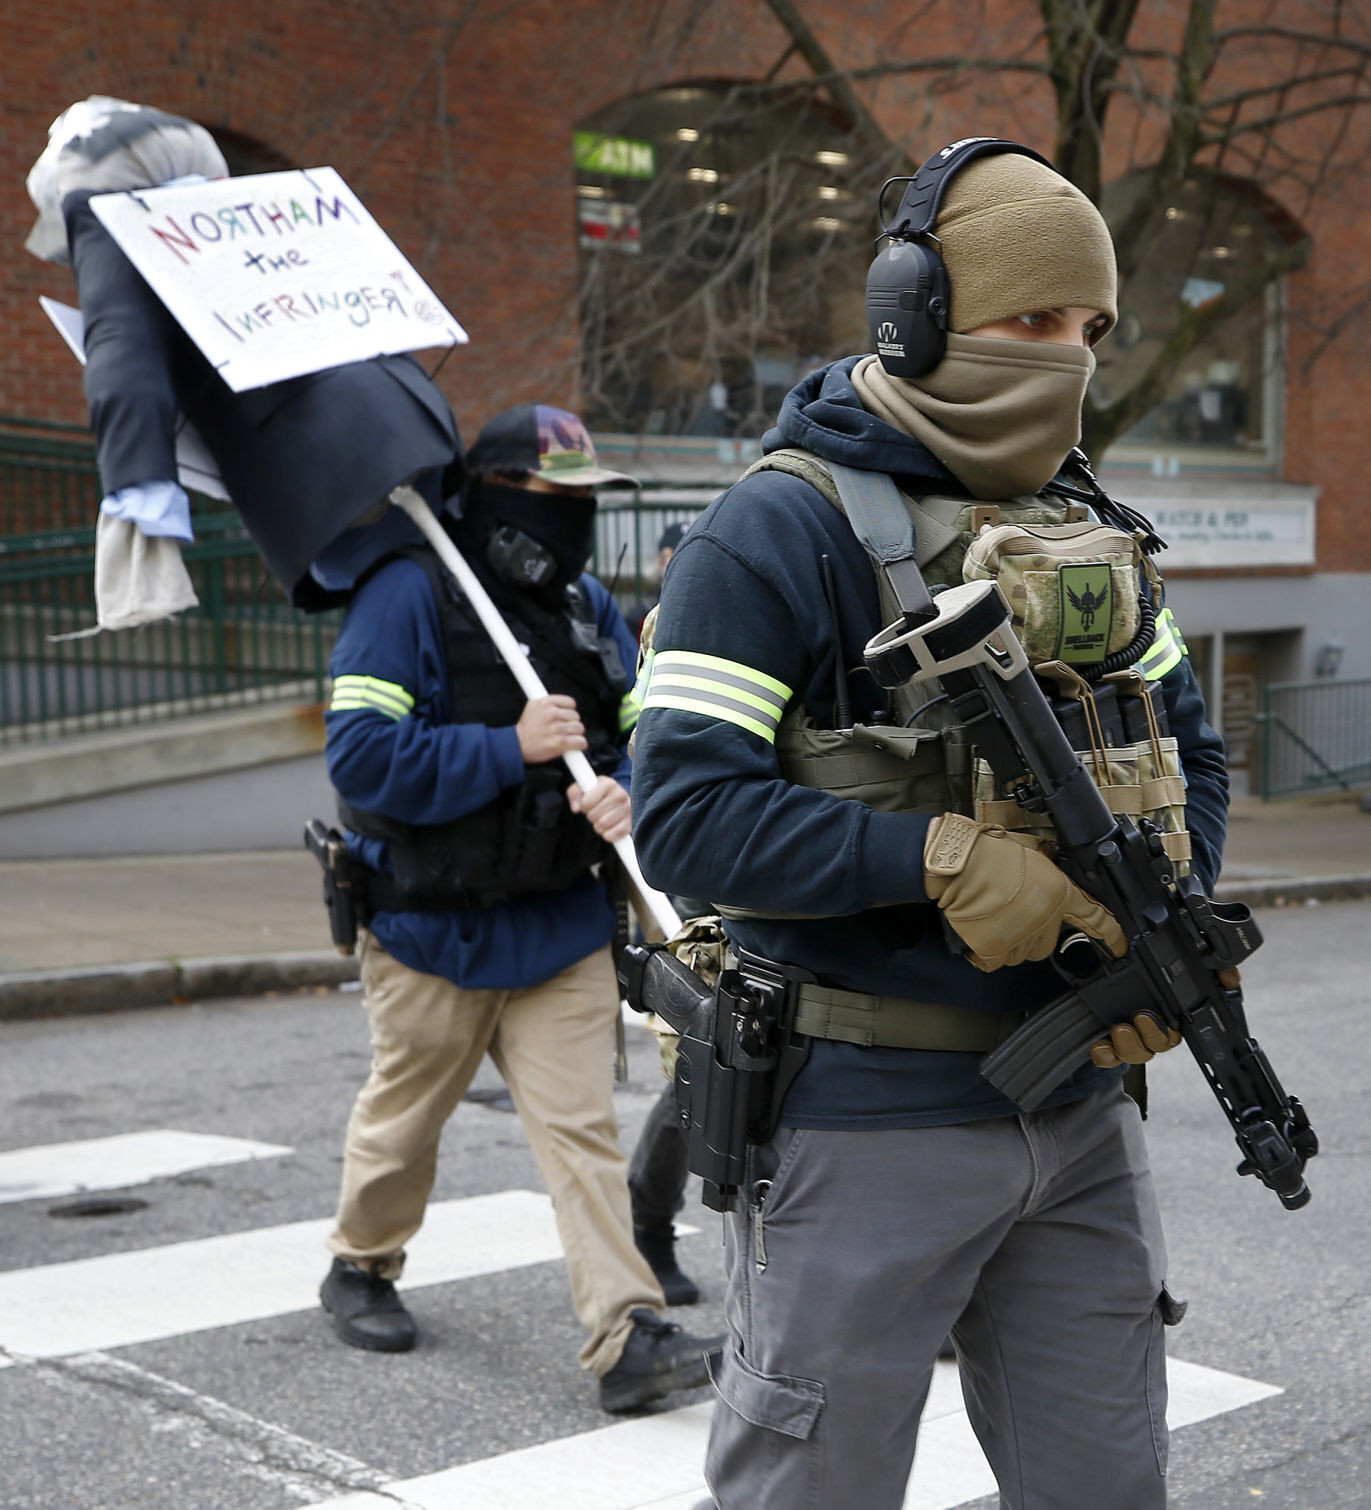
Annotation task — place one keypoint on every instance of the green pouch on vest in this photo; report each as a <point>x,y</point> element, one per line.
<point>1073,588</point>
<point>1138,780</point>
<point>890,769</point>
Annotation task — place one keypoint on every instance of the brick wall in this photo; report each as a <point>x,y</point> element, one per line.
<point>458,136</point>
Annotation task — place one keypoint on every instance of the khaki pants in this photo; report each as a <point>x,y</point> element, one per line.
<point>553,1043</point>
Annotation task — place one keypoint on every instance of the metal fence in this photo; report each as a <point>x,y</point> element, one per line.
<point>627,529</point>
<point>1314,735</point>
<point>243,644</point>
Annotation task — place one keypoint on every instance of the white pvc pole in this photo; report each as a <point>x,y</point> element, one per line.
<point>583,773</point>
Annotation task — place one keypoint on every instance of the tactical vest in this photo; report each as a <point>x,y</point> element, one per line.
<point>527,839</point>
<point>923,762</point>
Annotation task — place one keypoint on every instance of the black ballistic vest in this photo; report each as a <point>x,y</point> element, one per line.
<point>527,839</point>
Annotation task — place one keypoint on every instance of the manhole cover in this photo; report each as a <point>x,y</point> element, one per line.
<point>98,1205</point>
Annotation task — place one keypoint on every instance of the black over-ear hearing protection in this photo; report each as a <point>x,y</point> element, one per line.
<point>907,296</point>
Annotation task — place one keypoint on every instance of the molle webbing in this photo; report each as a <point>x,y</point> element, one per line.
<point>942,525</point>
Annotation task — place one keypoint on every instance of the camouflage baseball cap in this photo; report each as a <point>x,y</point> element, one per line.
<point>550,443</point>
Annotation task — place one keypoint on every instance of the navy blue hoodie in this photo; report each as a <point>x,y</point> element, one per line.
<point>402,757</point>
<point>714,818</point>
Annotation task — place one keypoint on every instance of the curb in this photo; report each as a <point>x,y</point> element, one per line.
<point>140,755</point>
<point>29,994</point>
<point>1282,892</point>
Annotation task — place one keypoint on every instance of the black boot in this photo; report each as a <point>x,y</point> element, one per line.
<point>657,1359</point>
<point>366,1310</point>
<point>656,1241</point>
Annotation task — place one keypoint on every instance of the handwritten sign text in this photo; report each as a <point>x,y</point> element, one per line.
<point>277,274</point>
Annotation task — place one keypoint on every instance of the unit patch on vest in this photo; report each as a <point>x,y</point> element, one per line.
<point>1087,611</point>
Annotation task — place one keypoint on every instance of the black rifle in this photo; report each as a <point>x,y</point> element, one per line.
<point>1183,949</point>
<point>738,1054</point>
<point>330,849</point>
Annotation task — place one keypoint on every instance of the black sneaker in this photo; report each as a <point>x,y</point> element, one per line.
<point>656,1241</point>
<point>366,1310</point>
<point>657,1359</point>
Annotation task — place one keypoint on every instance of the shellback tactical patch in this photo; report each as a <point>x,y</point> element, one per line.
<point>1087,611</point>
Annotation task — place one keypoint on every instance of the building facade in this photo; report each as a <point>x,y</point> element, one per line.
<point>652,213</point>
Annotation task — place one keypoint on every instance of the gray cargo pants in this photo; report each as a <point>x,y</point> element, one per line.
<point>1035,1239</point>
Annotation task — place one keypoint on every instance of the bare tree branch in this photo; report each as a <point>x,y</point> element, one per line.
<point>865,127</point>
<point>1193,64</point>
<point>1289,34</point>
<point>1102,425</point>
<point>1266,124</point>
<point>1273,104</point>
<point>948,65</point>
<point>1359,306</point>
<point>1085,47</point>
<point>1299,81</point>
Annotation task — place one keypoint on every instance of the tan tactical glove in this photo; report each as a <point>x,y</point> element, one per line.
<point>1134,1043</point>
<point>1004,898</point>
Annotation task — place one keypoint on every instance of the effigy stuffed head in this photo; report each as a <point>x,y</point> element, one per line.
<point>106,143</point>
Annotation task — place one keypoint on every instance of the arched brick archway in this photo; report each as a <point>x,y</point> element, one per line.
<point>724,233</point>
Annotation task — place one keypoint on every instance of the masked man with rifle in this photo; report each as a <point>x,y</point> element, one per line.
<point>485,929</point>
<point>866,858</point>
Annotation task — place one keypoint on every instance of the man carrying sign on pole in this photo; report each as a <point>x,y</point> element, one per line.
<point>485,929</point>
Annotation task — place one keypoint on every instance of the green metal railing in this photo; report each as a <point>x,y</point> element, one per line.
<point>627,529</point>
<point>243,644</point>
<point>1314,735</point>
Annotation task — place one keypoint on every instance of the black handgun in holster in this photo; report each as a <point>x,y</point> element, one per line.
<point>738,1055</point>
<point>330,849</point>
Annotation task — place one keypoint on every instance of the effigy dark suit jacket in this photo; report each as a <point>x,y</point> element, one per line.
<point>301,459</point>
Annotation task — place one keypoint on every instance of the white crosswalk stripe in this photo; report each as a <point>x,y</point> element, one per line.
<point>656,1463</point>
<point>56,1169</point>
<point>121,1299</point>
<point>81,1309</point>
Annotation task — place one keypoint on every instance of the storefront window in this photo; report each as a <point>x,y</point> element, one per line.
<point>1225,396</point>
<point>725,233</point>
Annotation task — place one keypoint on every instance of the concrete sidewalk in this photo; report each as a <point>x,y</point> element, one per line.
<point>104,933</point>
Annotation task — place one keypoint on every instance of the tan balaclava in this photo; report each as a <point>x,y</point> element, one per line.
<point>1002,415</point>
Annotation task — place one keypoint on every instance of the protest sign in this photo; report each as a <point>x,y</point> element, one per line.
<point>275,275</point>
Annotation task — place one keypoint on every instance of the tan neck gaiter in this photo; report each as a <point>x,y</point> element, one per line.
<point>1000,415</point>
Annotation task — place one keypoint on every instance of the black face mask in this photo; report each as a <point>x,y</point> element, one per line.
<point>537,541</point>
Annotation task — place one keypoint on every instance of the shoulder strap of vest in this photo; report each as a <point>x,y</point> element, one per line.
<point>802,464</point>
<point>887,522</point>
<point>933,519</point>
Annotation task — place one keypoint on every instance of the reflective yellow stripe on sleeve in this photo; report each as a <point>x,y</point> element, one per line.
<point>632,704</point>
<point>353,692</point>
<point>1166,651</point>
<point>716,688</point>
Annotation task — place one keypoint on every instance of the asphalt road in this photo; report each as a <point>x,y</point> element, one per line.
<point>273,1411</point>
